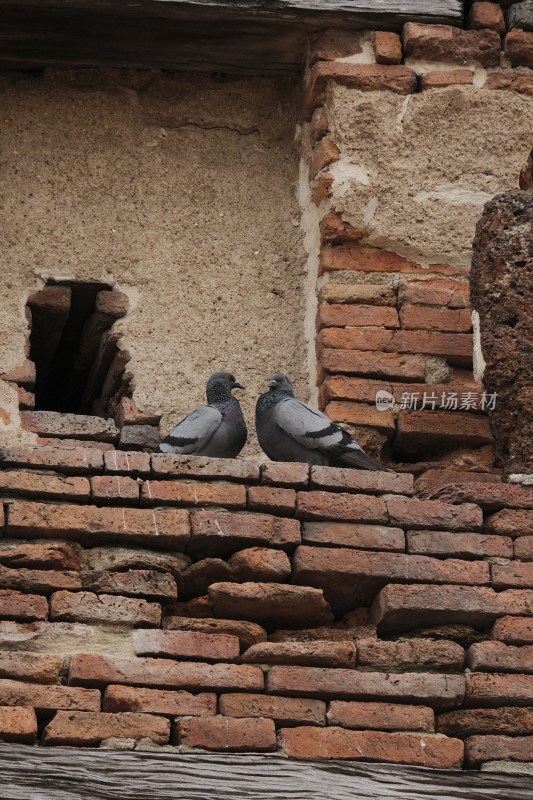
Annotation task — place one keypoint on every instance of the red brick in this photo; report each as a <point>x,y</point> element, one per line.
<point>372,259</point>
<point>479,749</point>
<point>484,689</point>
<point>440,79</point>
<point>345,314</point>
<point>18,724</point>
<point>520,82</point>
<point>127,413</point>
<point>225,733</point>
<point>518,48</point>
<point>333,228</point>
<point>360,537</point>
<point>486,15</point>
<point>507,721</point>
<point>159,701</point>
<point>30,666</point>
<point>332,44</point>
<point>74,444</point>
<point>322,188</point>
<point>261,564</point>
<point>324,154</point>
<point>414,654</point>
<point>114,490</point>
<point>47,697</point>
<point>433,514</point>
<point>200,575</point>
<point>228,469</point>
<point>318,127</point>
<point>16,605</point>
<point>410,687</point>
<point>361,414</point>
<point>221,532</point>
<point>111,609</point>
<point>95,670</point>
<point>436,478</point>
<point>39,555</point>
<point>162,527</point>
<point>436,291</point>
<point>445,43</point>
<point>248,632</point>
<point>517,574</point>
<point>24,374</point>
<point>187,645</point>
<point>86,729</point>
<point>341,388</point>
<point>456,346</point>
<point>458,545</point>
<point>387,47</point>
<point>294,475</point>
<point>513,630</point>
<point>499,657</point>
<point>272,500</point>
<point>31,484</point>
<point>364,77</point>
<point>69,426</point>
<point>38,580</point>
<point>373,294</point>
<point>122,559</point>
<point>146,583</point>
<point>428,750</point>
<point>381,716</point>
<point>415,317</point>
<point>122,462</point>
<point>354,338</point>
<point>82,460</point>
<point>271,603</point>
<point>193,493</point>
<point>343,506</point>
<point>510,521</point>
<point>139,438</point>
<point>490,496</point>
<point>523,548</point>
<point>445,428</point>
<point>285,711</point>
<point>306,654</point>
<point>374,363</point>
<point>360,481</point>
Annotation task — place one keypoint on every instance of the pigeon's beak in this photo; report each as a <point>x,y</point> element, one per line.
<point>238,386</point>
<point>270,384</point>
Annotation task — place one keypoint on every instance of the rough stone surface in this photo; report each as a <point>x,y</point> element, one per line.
<point>502,294</point>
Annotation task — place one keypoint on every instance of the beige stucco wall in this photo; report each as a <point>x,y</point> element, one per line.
<point>180,190</point>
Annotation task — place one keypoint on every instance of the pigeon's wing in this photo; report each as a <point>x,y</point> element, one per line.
<point>194,431</point>
<point>308,426</point>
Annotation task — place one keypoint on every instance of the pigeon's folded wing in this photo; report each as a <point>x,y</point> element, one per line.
<point>308,426</point>
<point>194,431</point>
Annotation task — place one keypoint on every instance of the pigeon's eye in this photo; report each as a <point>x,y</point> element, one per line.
<point>227,377</point>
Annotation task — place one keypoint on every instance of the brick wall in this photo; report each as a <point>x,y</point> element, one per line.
<point>232,606</point>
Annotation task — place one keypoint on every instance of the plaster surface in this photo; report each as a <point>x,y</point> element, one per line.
<point>179,189</point>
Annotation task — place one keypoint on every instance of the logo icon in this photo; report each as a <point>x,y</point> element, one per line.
<point>384,400</point>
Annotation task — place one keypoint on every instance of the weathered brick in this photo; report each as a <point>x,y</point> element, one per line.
<point>111,609</point>
<point>456,347</point>
<point>74,444</point>
<point>143,438</point>
<point>440,79</point>
<point>436,478</point>
<point>160,527</point>
<point>16,605</point>
<point>324,154</point>
<point>513,630</point>
<point>38,555</point>
<point>122,462</point>
<point>432,514</point>
<point>330,45</point>
<point>518,48</point>
<point>322,188</point>
<point>306,654</point>
<point>489,496</point>
<point>414,654</point>
<point>446,43</point>
<point>86,729</point>
<point>508,721</point>
<point>249,633</point>
<point>53,487</point>
<point>364,77</point>
<point>18,724</point>
<point>285,711</point>
<point>340,315</point>
<point>30,666</point>
<point>226,733</point>
<point>117,490</point>
<point>428,750</point>
<point>186,645</point>
<point>182,466</point>
<point>361,339</point>
<point>381,716</point>
<point>73,426</point>
<point>458,545</point>
<point>520,82</point>
<point>145,583</point>
<point>54,637</point>
<point>510,522</point>
<point>24,374</point>
<point>333,228</point>
<point>360,537</point>
<point>81,460</point>
<point>430,689</point>
<point>499,657</point>
<point>516,574</point>
<point>326,633</point>
<point>362,415</point>
<point>341,506</point>
<point>486,15</point>
<point>366,293</point>
<point>221,532</point>
<point>272,500</point>
<point>370,363</point>
<point>199,576</point>
<point>48,698</point>
<point>124,559</point>
<point>485,689</point>
<point>436,291</point>
<point>127,413</point>
<point>387,47</point>
<point>479,749</point>
<point>293,475</point>
<point>193,493</point>
<point>523,548</point>
<point>417,317</point>
<point>350,480</point>
<point>159,701</point>
<point>271,603</point>
<point>318,127</point>
<point>94,670</point>
<point>261,564</point>
<point>38,580</point>
<point>372,259</point>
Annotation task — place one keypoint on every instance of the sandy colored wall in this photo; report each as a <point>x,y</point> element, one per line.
<point>180,190</point>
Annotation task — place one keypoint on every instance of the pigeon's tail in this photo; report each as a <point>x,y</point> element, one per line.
<point>359,460</point>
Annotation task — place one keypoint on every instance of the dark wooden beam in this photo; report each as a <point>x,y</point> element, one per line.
<point>37,773</point>
<point>251,36</point>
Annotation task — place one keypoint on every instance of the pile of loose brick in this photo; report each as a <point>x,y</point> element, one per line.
<point>225,605</point>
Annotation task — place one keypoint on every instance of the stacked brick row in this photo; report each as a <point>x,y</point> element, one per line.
<point>186,602</point>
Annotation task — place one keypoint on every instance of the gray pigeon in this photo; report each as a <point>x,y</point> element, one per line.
<point>289,430</point>
<point>217,429</point>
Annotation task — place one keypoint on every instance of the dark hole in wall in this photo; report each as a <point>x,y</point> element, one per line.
<point>79,366</point>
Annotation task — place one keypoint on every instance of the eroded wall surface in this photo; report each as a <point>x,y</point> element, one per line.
<point>180,190</point>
